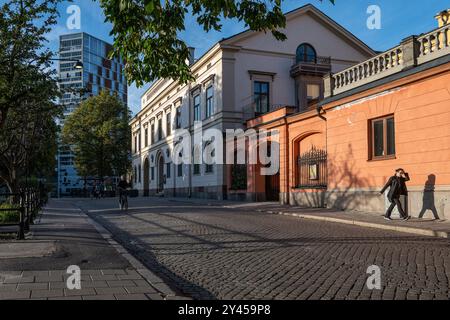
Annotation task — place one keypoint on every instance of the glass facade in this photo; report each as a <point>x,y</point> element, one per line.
<point>98,73</point>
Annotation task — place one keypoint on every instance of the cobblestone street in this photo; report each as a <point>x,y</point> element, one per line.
<point>210,252</point>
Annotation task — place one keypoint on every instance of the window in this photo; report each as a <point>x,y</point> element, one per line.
<point>152,133</point>
<point>261,94</point>
<point>209,168</point>
<point>178,118</point>
<point>135,144</point>
<point>210,157</point>
<point>306,53</point>
<point>168,170</point>
<point>146,137</point>
<point>160,133</point>
<point>313,93</point>
<point>209,101</point>
<point>139,141</point>
<point>197,108</point>
<point>197,161</point>
<point>152,173</point>
<point>139,173</point>
<point>382,140</point>
<point>180,170</point>
<point>168,124</point>
<point>196,168</point>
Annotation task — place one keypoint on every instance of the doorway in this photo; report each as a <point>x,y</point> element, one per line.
<point>273,187</point>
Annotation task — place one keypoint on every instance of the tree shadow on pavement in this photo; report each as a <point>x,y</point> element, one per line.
<point>144,253</point>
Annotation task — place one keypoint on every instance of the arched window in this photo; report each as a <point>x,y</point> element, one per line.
<point>306,53</point>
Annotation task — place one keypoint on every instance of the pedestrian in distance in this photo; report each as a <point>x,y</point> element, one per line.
<point>397,187</point>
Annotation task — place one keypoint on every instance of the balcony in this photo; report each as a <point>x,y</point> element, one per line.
<point>318,66</point>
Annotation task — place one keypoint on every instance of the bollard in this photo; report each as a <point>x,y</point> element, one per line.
<point>21,233</point>
<point>27,210</point>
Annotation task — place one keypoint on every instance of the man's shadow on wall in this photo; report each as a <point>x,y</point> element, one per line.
<point>428,197</point>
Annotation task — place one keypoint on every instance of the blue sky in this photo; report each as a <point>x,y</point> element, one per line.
<point>399,19</point>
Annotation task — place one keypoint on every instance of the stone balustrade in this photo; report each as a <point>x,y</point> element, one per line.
<point>413,51</point>
<point>434,44</point>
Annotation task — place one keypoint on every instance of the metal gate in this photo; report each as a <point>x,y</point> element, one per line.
<point>312,170</point>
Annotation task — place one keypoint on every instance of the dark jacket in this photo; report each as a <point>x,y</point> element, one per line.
<point>397,187</point>
<point>123,184</point>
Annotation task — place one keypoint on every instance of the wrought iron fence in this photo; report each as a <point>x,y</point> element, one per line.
<point>312,170</point>
<point>20,209</point>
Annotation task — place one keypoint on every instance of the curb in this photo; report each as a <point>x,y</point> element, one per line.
<point>156,282</point>
<point>410,230</point>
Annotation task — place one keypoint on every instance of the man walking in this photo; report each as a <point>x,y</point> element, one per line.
<point>397,184</point>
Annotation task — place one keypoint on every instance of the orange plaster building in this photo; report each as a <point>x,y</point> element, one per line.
<point>390,111</point>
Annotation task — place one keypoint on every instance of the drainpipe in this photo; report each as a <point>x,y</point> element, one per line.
<point>192,143</point>
<point>175,173</point>
<point>319,113</point>
<point>287,166</point>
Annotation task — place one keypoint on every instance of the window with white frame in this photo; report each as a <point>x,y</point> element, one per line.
<point>197,110</point>
<point>261,96</point>
<point>209,101</point>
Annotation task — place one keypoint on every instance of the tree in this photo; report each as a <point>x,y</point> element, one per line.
<point>29,134</point>
<point>99,134</point>
<point>146,32</point>
<point>23,26</point>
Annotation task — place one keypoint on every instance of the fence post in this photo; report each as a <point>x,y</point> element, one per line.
<point>411,51</point>
<point>21,234</point>
<point>32,205</point>
<point>27,209</point>
<point>328,85</point>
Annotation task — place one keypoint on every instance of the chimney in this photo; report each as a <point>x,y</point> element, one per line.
<point>443,18</point>
<point>191,55</point>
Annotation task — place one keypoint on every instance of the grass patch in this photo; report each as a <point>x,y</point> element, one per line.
<point>9,216</point>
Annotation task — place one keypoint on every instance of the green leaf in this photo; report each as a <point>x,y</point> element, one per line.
<point>147,32</point>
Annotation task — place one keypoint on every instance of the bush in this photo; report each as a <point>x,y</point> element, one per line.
<point>11,216</point>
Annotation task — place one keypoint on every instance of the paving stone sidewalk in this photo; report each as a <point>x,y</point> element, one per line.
<point>122,284</point>
<point>65,236</point>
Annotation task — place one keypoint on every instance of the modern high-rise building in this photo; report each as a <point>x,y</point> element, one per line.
<point>98,73</point>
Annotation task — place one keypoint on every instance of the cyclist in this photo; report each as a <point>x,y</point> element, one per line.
<point>123,196</point>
